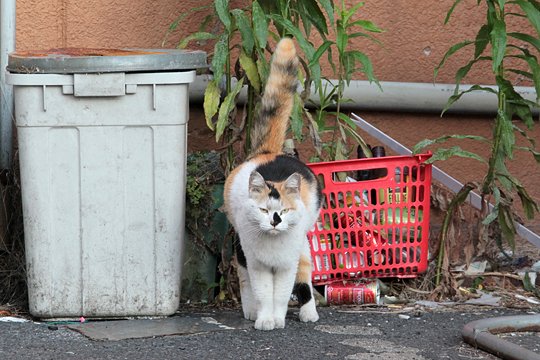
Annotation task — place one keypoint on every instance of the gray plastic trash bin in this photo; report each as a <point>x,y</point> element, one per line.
<point>102,148</point>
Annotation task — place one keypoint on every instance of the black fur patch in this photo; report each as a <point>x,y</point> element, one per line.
<point>302,292</point>
<point>276,219</point>
<point>270,108</point>
<point>282,167</point>
<point>240,256</point>
<point>273,192</point>
<point>288,68</point>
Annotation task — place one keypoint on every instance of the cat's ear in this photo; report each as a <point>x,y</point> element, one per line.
<point>292,184</point>
<point>257,185</point>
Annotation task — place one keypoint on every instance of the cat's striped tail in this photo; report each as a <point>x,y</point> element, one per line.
<point>270,128</point>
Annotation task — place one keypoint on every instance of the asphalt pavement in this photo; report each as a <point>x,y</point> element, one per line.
<point>347,332</point>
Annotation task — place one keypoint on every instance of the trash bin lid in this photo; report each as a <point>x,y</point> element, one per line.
<point>87,60</point>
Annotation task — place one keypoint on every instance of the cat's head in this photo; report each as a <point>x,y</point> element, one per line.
<point>274,205</point>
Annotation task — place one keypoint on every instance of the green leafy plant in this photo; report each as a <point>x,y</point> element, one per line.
<point>243,63</point>
<point>330,95</point>
<point>497,47</point>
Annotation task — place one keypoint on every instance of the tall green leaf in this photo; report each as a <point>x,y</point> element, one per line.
<point>250,68</point>
<point>315,15</point>
<point>226,107</point>
<point>320,51</point>
<point>328,6</point>
<point>453,49</point>
<point>454,98</point>
<point>198,36</point>
<point>260,24</point>
<point>221,54</point>
<point>246,32</point>
<point>367,67</point>
<point>534,41</point>
<point>442,154</point>
<point>211,102</point>
<point>222,10</point>
<point>498,43</point>
<point>532,12</point>
<point>452,8</point>
<point>367,25</point>
<point>342,37</point>
<point>420,146</point>
<point>482,40</point>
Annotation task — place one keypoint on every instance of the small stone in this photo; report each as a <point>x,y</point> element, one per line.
<point>404,317</point>
<point>536,266</point>
<point>52,327</point>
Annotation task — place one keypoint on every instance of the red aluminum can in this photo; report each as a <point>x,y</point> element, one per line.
<point>352,293</point>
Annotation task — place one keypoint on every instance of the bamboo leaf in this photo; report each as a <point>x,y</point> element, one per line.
<point>454,98</point>
<point>526,136</point>
<point>350,12</point>
<point>315,16</point>
<point>367,67</point>
<point>320,51</point>
<point>522,110</point>
<point>507,226</point>
<point>226,107</point>
<point>420,146</point>
<point>442,154</point>
<point>526,74</point>
<point>535,68</point>
<point>250,68</point>
<point>367,25</point>
<point>453,49</point>
<point>482,40</point>
<point>507,134</point>
<point>498,43</point>
<point>260,25</point>
<point>222,11</point>
<point>449,13</point>
<point>198,36</point>
<point>221,53</point>
<point>328,6</point>
<point>211,102</point>
<point>532,11</point>
<point>342,38</point>
<point>530,207</point>
<point>297,124</point>
<point>526,38</point>
<point>368,36</point>
<point>246,32</point>
<point>304,44</point>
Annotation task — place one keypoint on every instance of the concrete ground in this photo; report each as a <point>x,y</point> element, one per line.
<point>355,332</point>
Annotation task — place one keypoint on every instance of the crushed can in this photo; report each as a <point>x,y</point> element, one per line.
<point>350,293</point>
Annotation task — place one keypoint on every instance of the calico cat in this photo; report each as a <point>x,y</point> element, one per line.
<point>273,200</point>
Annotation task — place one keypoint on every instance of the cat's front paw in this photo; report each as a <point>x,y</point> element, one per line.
<point>265,324</point>
<point>308,314</point>
<point>279,323</point>
<point>250,315</point>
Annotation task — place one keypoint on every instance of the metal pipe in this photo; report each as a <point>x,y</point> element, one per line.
<point>397,96</point>
<point>481,334</point>
<point>7,45</point>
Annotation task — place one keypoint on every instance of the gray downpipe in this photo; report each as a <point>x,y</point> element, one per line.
<point>7,45</point>
<point>481,334</point>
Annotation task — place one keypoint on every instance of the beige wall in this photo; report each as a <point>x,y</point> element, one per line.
<point>413,44</point>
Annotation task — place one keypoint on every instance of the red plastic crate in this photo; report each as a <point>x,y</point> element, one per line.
<point>372,228</point>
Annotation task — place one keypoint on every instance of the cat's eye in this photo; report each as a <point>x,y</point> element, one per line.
<point>263,210</point>
<point>284,211</point>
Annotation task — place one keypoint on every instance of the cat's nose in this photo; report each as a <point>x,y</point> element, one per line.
<point>275,220</point>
